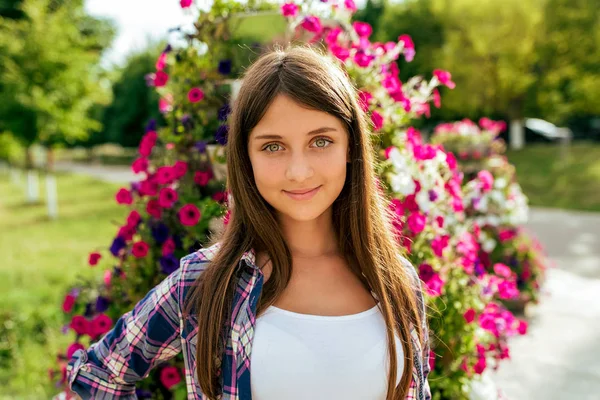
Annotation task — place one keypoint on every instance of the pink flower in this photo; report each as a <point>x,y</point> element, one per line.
<point>522,327</point>
<point>73,348</point>
<point>226,217</point>
<point>94,258</point>
<point>480,366</point>
<point>220,196</point>
<point>153,208</point>
<point>440,221</point>
<point>312,24</point>
<point>444,77</point>
<point>68,303</point>
<point>124,196</point>
<point>107,277</point>
<point>439,243</point>
<point>388,151</point>
<point>507,234</point>
<point>185,3</point>
<point>160,78</point>
<point>203,177</point>
<point>502,270</point>
<point>362,59</point>
<point>434,285</point>
<point>169,376</point>
<point>364,98</point>
<point>350,5</point>
<point>437,99</point>
<point>469,315</point>
<point>180,168</point>
<point>363,29</point>
<point>149,187</point>
<point>332,36</point>
<point>126,232</point>
<point>140,249</point>
<point>486,179</point>
<point>189,215</point>
<point>289,10</point>
<point>140,165</point>
<point>339,52</point>
<point>100,325</point>
<point>431,360</point>
<point>409,47</point>
<point>451,160</point>
<point>165,175</point>
<point>195,95</point>
<point>377,120</point>
<point>147,143</point>
<point>426,272</point>
<point>161,62</point>
<point>133,218</point>
<point>165,104</point>
<point>167,197</point>
<point>168,247</point>
<point>508,290</point>
<point>80,325</point>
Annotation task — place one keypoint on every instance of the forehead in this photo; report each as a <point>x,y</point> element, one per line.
<point>286,117</point>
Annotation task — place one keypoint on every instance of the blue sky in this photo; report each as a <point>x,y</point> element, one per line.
<point>138,21</point>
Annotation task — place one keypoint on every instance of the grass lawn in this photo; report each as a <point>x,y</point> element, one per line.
<point>40,259</point>
<point>549,181</point>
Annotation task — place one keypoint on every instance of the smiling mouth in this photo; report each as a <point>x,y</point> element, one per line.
<point>303,195</point>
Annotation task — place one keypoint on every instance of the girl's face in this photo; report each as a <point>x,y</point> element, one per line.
<point>299,159</point>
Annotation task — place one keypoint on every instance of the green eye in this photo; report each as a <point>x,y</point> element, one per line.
<point>321,142</point>
<point>272,147</point>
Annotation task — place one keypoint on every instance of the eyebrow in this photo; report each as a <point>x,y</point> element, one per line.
<point>313,132</point>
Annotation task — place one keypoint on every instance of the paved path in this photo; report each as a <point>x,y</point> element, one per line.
<point>559,358</point>
<point>108,173</point>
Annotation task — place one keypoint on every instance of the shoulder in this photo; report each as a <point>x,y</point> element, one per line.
<point>416,283</point>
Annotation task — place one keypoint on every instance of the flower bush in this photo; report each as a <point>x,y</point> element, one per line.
<point>181,198</point>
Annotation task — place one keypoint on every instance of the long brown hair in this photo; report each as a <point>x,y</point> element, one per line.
<point>360,215</point>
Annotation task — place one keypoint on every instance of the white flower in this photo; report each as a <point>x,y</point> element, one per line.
<point>488,245</point>
<point>402,183</point>
<point>422,199</point>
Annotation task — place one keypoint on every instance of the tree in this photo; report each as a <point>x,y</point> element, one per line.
<point>50,73</point>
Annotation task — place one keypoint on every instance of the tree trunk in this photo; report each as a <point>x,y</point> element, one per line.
<point>50,159</point>
<point>28,158</point>
<point>517,134</point>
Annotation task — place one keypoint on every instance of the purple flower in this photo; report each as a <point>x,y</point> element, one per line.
<point>143,393</point>
<point>432,195</point>
<point>160,232</point>
<point>102,304</point>
<point>167,49</point>
<point>187,122</point>
<point>149,80</point>
<point>221,135</point>
<point>151,126</point>
<point>479,268</point>
<point>178,242</point>
<point>225,67</point>
<point>200,146</point>
<point>169,264</point>
<point>224,112</point>
<point>117,245</point>
<point>135,186</point>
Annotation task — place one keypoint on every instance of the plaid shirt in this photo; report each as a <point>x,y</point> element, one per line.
<point>155,331</point>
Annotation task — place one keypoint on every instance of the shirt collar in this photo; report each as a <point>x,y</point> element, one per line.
<point>250,258</point>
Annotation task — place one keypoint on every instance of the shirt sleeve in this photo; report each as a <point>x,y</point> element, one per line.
<point>142,338</point>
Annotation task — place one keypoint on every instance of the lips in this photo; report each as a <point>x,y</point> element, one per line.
<point>302,194</point>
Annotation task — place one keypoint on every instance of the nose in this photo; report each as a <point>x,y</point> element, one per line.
<point>299,168</point>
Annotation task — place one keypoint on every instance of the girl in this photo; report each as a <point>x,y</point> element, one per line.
<point>305,295</point>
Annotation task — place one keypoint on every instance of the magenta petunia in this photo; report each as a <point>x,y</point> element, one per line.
<point>469,315</point>
<point>170,376</point>
<point>165,175</point>
<point>124,196</point>
<point>140,249</point>
<point>180,168</point>
<point>73,348</point>
<point>364,98</point>
<point>147,143</point>
<point>350,5</point>
<point>195,95</point>
<point>445,78</point>
<point>439,243</point>
<point>437,99</point>
<point>160,78</point>
<point>185,3</point>
<point>363,29</point>
<point>203,177</point>
<point>362,59</point>
<point>161,61</point>
<point>167,197</point>
<point>94,257</point>
<point>133,218</point>
<point>416,222</point>
<point>107,278</point>
<point>100,325</point>
<point>434,285</point>
<point>189,215</point>
<point>312,24</point>
<point>409,47</point>
<point>68,303</point>
<point>289,10</point>
<point>168,247</point>
<point>126,232</point>
<point>502,270</point>
<point>140,165</point>
<point>153,208</point>
<point>377,120</point>
<point>80,325</point>
<point>486,179</point>
<point>226,217</point>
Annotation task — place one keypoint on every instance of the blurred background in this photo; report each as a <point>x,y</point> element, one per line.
<point>74,102</point>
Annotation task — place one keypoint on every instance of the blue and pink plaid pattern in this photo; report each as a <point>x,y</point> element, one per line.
<point>155,331</point>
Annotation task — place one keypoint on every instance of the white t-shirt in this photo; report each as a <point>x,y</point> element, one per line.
<point>300,356</point>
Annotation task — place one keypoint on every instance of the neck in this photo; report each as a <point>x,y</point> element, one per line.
<point>309,239</point>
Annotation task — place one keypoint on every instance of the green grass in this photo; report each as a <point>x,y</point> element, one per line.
<point>40,259</point>
<point>551,181</point>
